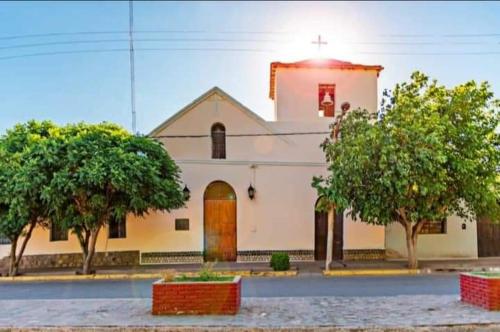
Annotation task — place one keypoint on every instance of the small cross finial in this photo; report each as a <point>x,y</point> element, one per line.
<point>319,42</point>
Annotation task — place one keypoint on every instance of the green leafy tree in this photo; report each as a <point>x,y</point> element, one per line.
<point>104,172</point>
<point>24,172</point>
<point>430,153</point>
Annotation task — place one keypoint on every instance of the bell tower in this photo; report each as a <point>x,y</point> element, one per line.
<point>313,90</point>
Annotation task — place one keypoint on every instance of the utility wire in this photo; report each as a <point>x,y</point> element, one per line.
<point>114,32</point>
<point>249,50</point>
<point>224,40</point>
<point>112,50</point>
<point>270,32</point>
<point>432,53</point>
<point>157,49</point>
<point>418,43</point>
<point>91,41</point>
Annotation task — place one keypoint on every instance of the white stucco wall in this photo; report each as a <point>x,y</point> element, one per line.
<point>297,91</point>
<point>4,250</point>
<point>359,235</point>
<point>281,217</point>
<point>456,243</point>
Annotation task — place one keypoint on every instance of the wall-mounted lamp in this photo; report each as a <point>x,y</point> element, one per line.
<point>186,192</point>
<point>464,226</point>
<point>251,192</point>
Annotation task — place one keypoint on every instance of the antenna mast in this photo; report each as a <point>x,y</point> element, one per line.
<point>132,67</point>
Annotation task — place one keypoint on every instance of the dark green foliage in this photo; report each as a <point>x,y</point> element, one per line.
<point>431,152</point>
<point>280,261</point>
<point>24,172</point>
<point>103,171</point>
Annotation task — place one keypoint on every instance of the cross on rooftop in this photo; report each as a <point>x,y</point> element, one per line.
<point>319,42</point>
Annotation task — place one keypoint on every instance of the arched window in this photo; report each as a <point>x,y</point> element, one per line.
<point>218,141</point>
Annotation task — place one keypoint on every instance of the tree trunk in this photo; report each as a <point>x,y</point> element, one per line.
<point>87,262</point>
<point>329,238</point>
<point>412,232</point>
<point>83,236</point>
<point>15,258</point>
<point>411,246</point>
<point>12,266</point>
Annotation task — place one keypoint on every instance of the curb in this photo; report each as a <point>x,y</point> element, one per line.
<point>118,276</point>
<point>347,273</point>
<point>140,276</point>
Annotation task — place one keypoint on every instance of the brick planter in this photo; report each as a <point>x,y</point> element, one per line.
<point>480,290</point>
<point>197,298</point>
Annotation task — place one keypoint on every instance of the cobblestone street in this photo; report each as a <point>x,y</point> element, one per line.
<point>352,312</point>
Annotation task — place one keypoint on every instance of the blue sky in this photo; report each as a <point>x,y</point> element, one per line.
<point>451,41</point>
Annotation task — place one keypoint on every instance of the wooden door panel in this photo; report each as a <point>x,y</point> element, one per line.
<point>320,235</point>
<point>227,230</point>
<point>220,230</point>
<point>338,237</point>
<point>488,238</point>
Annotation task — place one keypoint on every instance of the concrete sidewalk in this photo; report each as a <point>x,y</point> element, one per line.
<point>459,265</point>
<point>315,267</point>
<point>338,268</point>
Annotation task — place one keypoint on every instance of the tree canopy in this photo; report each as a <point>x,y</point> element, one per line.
<point>24,173</point>
<point>103,172</point>
<point>431,152</point>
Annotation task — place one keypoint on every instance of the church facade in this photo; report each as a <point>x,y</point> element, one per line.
<point>249,183</point>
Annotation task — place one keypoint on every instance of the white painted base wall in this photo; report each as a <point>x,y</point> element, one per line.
<point>455,244</point>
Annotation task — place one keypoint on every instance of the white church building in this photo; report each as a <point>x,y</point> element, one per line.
<point>249,182</point>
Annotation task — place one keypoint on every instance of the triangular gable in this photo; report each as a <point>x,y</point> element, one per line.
<point>213,91</point>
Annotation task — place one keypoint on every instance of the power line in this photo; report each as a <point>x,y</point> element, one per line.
<point>462,35</point>
<point>255,32</point>
<point>432,53</point>
<point>157,49</point>
<point>249,50</point>
<point>65,52</point>
<point>91,41</point>
<point>446,35</point>
<point>98,41</point>
<point>132,66</point>
<point>418,43</point>
<point>111,32</point>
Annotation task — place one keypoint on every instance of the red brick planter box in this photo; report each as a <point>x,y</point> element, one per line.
<point>197,298</point>
<point>480,290</point>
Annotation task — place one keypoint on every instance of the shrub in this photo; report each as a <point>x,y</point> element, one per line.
<point>168,275</point>
<point>280,261</point>
<point>207,272</point>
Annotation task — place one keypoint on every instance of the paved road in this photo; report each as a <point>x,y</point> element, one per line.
<point>305,286</point>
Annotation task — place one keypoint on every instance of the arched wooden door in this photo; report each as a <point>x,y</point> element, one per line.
<point>321,235</point>
<point>220,222</point>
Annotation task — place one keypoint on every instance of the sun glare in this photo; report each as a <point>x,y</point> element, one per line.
<point>304,45</point>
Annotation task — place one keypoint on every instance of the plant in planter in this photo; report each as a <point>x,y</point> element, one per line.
<point>205,293</point>
<point>280,261</point>
<point>481,289</point>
